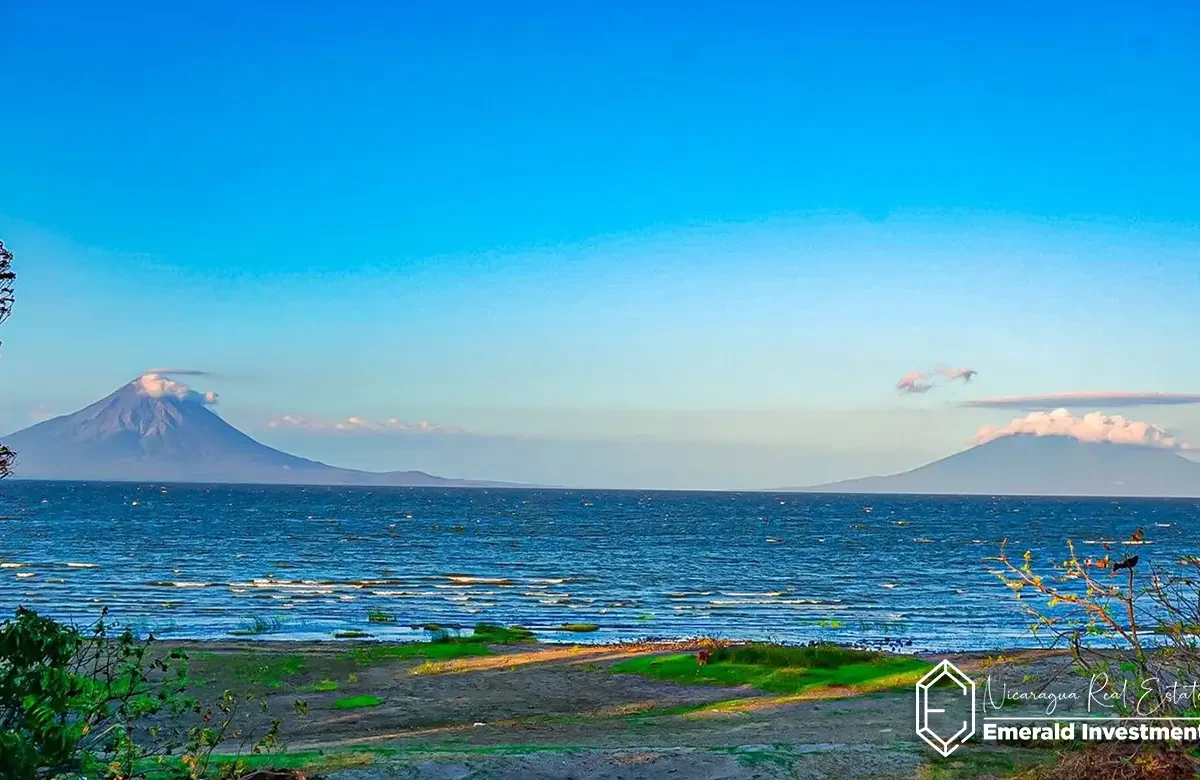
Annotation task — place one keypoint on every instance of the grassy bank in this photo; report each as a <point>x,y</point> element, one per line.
<point>781,668</point>
<point>278,668</point>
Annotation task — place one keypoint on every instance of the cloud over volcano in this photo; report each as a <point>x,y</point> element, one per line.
<point>1092,427</point>
<point>158,386</point>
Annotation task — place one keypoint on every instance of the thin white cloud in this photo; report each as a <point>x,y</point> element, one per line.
<point>180,372</point>
<point>1092,427</point>
<point>1092,398</point>
<point>355,424</point>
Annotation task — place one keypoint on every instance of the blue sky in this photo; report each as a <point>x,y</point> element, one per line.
<point>618,229</point>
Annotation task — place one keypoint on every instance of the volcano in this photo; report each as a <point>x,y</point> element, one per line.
<point>1025,464</point>
<point>156,430</point>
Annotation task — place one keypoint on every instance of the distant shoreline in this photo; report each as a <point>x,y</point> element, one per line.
<point>484,485</point>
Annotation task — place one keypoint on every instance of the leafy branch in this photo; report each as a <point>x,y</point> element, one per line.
<point>104,704</point>
<point>1128,624</point>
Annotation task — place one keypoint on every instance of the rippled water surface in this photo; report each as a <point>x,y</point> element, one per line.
<point>202,561</point>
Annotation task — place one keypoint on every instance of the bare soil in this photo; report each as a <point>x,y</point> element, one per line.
<point>552,711</point>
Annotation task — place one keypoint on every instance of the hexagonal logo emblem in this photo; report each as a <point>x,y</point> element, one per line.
<point>945,714</point>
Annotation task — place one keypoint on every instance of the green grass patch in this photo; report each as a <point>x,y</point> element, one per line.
<point>444,646</point>
<point>779,668</point>
<point>350,635</point>
<point>435,651</point>
<point>266,670</point>
<point>324,686</point>
<point>379,616</point>
<point>580,628</point>
<point>820,655</point>
<point>357,702</point>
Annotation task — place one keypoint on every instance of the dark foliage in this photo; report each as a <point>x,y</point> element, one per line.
<point>37,693</point>
<point>99,703</point>
<point>817,655</point>
<point>7,277</point>
<point>1119,760</point>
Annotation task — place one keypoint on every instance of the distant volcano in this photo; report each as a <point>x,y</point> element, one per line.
<point>1024,464</point>
<point>157,430</point>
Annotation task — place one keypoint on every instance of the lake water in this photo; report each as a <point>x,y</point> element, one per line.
<point>201,561</point>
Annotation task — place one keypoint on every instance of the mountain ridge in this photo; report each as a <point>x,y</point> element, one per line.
<point>161,431</point>
<point>1026,464</point>
<point>156,430</point>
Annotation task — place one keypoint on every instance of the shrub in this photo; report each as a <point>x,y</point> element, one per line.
<point>100,704</point>
<point>38,695</point>
<point>818,655</point>
<point>1128,762</point>
<point>1129,625</point>
<point>324,686</point>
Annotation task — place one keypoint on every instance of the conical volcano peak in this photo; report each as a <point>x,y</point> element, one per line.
<point>142,412</point>
<point>156,429</point>
<point>159,386</point>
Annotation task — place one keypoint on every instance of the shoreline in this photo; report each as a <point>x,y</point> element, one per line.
<point>485,485</point>
<point>303,640</point>
<point>663,644</point>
